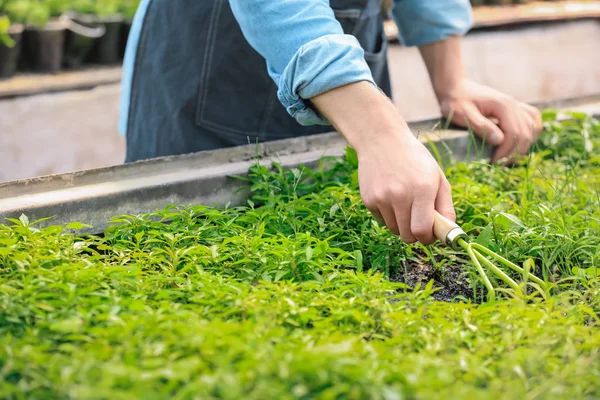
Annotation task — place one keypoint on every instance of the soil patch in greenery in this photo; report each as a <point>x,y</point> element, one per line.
<point>450,285</point>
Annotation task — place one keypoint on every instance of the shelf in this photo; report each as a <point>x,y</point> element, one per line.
<point>33,84</point>
<point>486,17</point>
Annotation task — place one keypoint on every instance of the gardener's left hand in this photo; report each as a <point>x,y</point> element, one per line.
<point>474,106</point>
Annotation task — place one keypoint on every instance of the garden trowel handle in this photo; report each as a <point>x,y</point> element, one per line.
<point>448,232</point>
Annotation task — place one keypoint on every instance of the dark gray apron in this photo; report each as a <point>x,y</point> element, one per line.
<point>198,84</point>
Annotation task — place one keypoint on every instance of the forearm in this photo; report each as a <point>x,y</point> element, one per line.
<point>494,116</point>
<point>362,114</point>
<point>445,66</point>
<point>400,182</point>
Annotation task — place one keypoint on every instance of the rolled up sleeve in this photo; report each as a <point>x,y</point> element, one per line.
<point>426,21</point>
<point>306,50</point>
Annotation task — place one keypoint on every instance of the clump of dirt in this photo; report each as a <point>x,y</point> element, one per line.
<point>450,282</point>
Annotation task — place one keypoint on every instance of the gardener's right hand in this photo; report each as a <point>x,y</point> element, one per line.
<point>400,182</point>
<point>402,185</point>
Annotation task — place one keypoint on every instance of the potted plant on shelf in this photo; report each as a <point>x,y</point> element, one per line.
<point>44,33</point>
<point>83,30</point>
<point>10,46</point>
<point>106,13</point>
<point>106,50</point>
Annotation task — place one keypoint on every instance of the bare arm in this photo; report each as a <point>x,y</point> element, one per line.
<point>472,105</point>
<point>315,64</point>
<point>400,182</point>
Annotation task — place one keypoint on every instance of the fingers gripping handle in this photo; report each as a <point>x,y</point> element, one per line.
<point>447,231</point>
<point>442,226</point>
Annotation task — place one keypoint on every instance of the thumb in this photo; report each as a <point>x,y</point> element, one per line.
<point>482,126</point>
<point>443,202</point>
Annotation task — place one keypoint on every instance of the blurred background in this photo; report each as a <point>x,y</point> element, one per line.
<point>60,71</point>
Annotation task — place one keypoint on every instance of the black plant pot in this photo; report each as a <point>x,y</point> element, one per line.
<point>9,56</point>
<point>43,47</point>
<point>125,29</point>
<point>106,50</point>
<point>82,33</point>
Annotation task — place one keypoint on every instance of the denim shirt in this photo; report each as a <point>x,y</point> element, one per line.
<point>306,50</point>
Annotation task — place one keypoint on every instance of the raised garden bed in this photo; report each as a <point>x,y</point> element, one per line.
<point>289,296</point>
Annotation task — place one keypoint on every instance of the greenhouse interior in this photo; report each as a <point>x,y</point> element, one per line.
<point>308,199</point>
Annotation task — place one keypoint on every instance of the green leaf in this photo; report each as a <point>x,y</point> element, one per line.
<point>137,305</point>
<point>334,208</point>
<point>351,157</point>
<point>509,221</point>
<point>24,220</point>
<point>577,115</point>
<point>309,253</point>
<point>549,114</point>
<point>591,272</point>
<point>4,24</point>
<point>485,237</point>
<point>71,325</point>
<point>139,236</point>
<point>528,266</point>
<point>279,275</point>
<point>78,226</point>
<point>5,38</point>
<point>358,256</point>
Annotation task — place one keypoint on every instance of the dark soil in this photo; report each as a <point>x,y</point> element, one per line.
<point>450,281</point>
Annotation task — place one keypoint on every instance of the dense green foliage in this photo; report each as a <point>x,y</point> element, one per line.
<point>288,297</point>
<point>39,12</point>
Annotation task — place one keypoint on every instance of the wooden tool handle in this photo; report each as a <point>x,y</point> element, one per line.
<point>442,226</point>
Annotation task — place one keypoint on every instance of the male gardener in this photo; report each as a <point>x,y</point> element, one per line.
<point>206,74</point>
